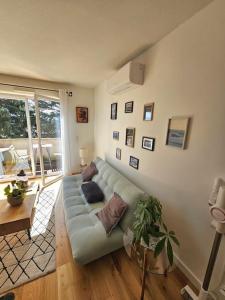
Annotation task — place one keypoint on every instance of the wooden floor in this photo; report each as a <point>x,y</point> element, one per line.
<point>113,277</point>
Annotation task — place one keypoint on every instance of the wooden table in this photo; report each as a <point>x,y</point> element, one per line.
<point>14,219</point>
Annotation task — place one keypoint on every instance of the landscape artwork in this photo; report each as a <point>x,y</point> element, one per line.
<point>177,132</point>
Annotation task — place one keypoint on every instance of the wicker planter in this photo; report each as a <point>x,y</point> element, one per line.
<point>155,265</point>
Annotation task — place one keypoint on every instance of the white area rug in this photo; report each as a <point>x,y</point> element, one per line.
<point>23,260</point>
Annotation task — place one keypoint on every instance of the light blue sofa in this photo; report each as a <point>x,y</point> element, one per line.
<point>86,233</point>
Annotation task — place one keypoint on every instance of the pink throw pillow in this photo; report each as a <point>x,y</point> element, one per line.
<point>89,172</point>
<point>112,213</point>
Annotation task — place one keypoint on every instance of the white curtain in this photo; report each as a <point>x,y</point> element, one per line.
<point>66,154</point>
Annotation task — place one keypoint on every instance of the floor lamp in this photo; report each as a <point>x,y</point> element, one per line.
<point>83,157</point>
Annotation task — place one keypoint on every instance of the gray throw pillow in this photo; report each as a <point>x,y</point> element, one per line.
<point>92,192</point>
<point>112,213</point>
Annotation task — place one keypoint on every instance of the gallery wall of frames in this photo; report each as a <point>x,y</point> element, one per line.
<point>176,135</point>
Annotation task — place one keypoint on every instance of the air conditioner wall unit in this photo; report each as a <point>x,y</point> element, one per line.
<point>129,76</point>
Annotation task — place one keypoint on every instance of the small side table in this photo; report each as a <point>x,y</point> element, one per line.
<point>144,257</point>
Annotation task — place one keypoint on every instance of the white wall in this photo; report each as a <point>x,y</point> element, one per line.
<point>185,75</point>
<point>81,135</point>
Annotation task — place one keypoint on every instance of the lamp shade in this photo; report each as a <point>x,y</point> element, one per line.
<point>83,152</point>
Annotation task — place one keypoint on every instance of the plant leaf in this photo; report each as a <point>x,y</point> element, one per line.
<point>175,240</point>
<point>159,247</point>
<point>146,238</point>
<point>165,227</point>
<point>171,233</point>
<point>170,252</point>
<point>157,234</point>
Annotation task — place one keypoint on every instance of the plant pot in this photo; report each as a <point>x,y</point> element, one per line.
<point>159,264</point>
<point>15,201</point>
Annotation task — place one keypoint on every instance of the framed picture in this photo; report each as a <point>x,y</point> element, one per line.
<point>130,134</point>
<point>134,162</point>
<point>118,153</point>
<point>82,114</point>
<point>177,132</point>
<point>129,107</point>
<point>116,135</point>
<point>148,112</point>
<point>113,111</point>
<point>148,143</point>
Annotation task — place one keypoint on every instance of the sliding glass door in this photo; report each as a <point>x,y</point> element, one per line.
<point>30,137</point>
<point>15,152</point>
<point>49,138</point>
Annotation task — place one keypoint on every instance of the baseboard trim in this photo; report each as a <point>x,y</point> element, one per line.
<point>187,272</point>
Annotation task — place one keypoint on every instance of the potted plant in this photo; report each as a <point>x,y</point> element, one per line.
<point>15,193</point>
<point>22,178</point>
<point>149,228</point>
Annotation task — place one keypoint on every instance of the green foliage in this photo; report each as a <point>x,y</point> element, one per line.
<point>166,240</point>
<point>147,216</point>
<point>148,224</point>
<point>14,189</point>
<point>14,123</point>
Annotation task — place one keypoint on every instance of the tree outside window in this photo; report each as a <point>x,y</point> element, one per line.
<point>13,121</point>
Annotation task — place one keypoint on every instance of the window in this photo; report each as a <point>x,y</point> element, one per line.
<point>14,122</point>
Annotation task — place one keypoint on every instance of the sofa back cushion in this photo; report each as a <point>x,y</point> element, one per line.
<point>110,181</point>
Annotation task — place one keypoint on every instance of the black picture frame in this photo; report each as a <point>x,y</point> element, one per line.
<point>129,106</point>
<point>151,141</point>
<point>130,137</point>
<point>134,162</point>
<point>148,112</point>
<point>118,153</point>
<point>114,111</point>
<point>116,135</point>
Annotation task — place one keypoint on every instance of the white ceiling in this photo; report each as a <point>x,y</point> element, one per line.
<point>82,41</point>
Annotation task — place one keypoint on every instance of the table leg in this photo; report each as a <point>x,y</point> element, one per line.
<point>28,233</point>
<point>143,275</point>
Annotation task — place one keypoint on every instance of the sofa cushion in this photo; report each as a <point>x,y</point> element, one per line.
<point>89,172</point>
<point>88,239</point>
<point>92,192</point>
<point>112,213</point>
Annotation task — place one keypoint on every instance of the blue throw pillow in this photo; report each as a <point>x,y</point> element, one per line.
<point>92,192</point>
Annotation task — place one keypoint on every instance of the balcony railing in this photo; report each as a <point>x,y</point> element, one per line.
<point>10,163</point>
